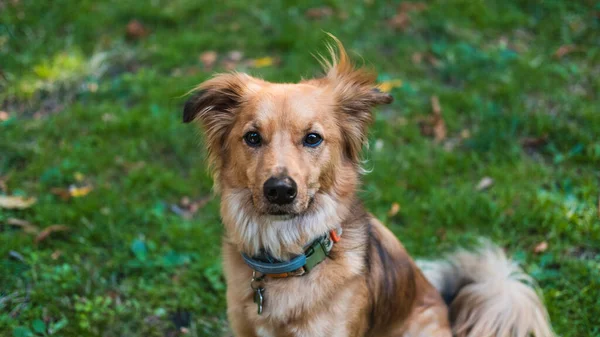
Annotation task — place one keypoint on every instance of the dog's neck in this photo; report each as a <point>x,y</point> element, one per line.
<point>281,237</point>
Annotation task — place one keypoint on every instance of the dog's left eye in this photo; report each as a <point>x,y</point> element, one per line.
<point>312,140</point>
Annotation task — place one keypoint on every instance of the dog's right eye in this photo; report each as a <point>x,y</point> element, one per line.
<point>253,139</point>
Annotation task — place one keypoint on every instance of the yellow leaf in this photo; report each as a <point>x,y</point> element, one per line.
<point>78,176</point>
<point>14,202</point>
<point>387,86</point>
<point>77,192</point>
<point>394,209</point>
<point>263,62</point>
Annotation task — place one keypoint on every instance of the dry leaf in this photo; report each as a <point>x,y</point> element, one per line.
<point>439,126</point>
<point>209,58</point>
<point>82,191</point>
<point>4,116</point>
<point>534,143</point>
<point>540,247</point>
<point>484,184</point>
<point>433,61</point>
<point>79,177</point>
<point>262,62</point>
<point>387,86</point>
<point>26,225</point>
<point>63,193</point>
<point>465,134</point>
<point>417,58</point>
<point>45,233</point>
<point>235,55</point>
<point>16,202</point>
<point>136,30</point>
<point>319,12</point>
<point>3,186</point>
<point>564,50</point>
<point>187,207</point>
<point>56,254</point>
<point>394,209</point>
<point>401,20</point>
<point>412,6</point>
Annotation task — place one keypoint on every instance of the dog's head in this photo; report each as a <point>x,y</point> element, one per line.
<point>285,155</point>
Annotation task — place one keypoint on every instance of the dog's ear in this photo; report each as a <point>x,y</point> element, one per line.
<point>355,94</point>
<point>215,104</point>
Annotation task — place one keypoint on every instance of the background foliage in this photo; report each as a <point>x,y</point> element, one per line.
<point>123,236</point>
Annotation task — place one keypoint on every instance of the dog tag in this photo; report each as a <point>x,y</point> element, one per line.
<point>258,299</point>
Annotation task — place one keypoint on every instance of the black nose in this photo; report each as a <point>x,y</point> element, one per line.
<point>280,191</point>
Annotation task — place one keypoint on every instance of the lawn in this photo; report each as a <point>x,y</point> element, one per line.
<point>123,236</point>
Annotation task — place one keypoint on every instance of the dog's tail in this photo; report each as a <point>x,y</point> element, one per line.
<point>488,295</point>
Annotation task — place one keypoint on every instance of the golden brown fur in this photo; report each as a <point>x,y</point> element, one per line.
<point>369,285</point>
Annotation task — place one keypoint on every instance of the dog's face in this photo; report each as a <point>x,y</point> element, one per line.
<point>285,151</point>
<point>282,146</point>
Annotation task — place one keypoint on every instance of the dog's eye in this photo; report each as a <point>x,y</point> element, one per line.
<point>253,138</point>
<point>313,140</point>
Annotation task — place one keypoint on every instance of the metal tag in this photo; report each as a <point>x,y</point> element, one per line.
<point>259,299</point>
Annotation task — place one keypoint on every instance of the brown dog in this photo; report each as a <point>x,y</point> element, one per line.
<point>301,255</point>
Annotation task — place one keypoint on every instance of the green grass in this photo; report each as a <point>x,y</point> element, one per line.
<point>88,106</point>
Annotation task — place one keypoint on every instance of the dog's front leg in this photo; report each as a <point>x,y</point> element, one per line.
<point>239,323</point>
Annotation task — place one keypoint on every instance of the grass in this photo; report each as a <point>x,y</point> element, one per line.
<point>86,105</point>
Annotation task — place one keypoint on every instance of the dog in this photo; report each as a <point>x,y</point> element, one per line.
<point>301,255</point>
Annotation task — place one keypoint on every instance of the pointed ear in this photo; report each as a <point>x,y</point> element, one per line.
<point>355,94</point>
<point>215,98</point>
<point>215,104</point>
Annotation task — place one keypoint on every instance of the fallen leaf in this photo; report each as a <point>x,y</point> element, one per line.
<point>417,58</point>
<point>56,254</point>
<point>262,62</point>
<point>77,192</point>
<point>79,177</point>
<point>135,30</point>
<point>564,50</point>
<point>63,193</point>
<point>534,143</point>
<point>435,105</point>
<point>387,86</point>
<point>484,184</point>
<point>319,12</point>
<point>413,6</point>
<point>401,20</point>
<point>209,58</point>
<point>3,186</point>
<point>45,233</point>
<point>433,60</point>
<point>465,134</point>
<point>540,247</point>
<point>16,202</point>
<point>4,116</point>
<point>187,207</point>
<point>25,225</point>
<point>394,209</point>
<point>235,55</point>
<point>439,126</point>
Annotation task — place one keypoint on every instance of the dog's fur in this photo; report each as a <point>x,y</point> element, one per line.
<point>369,285</point>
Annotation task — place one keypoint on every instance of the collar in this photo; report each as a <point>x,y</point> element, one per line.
<point>314,253</point>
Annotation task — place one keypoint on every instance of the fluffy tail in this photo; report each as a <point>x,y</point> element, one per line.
<point>488,294</point>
